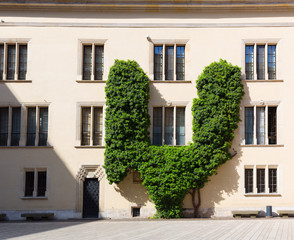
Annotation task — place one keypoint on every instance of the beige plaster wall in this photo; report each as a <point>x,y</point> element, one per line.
<point>54,66</point>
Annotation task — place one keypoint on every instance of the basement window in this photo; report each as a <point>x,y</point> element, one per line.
<point>135,212</point>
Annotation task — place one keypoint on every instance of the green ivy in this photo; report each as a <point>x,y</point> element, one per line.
<point>127,119</point>
<point>170,172</point>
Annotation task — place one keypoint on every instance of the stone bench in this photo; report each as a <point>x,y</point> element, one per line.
<point>37,216</point>
<point>2,216</point>
<point>286,213</point>
<point>245,213</point>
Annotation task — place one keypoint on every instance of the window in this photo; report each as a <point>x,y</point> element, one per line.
<point>263,66</point>
<point>261,125</point>
<point>10,119</point>
<point>169,125</point>
<point>13,61</point>
<point>91,126</point>
<point>37,126</point>
<point>169,62</point>
<point>35,183</point>
<point>93,61</point>
<point>259,178</point>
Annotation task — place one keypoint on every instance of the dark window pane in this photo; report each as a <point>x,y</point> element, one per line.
<point>180,126</point>
<point>249,124</point>
<point>31,126</point>
<point>22,68</point>
<point>42,179</point>
<point>158,63</point>
<point>10,62</point>
<point>272,181</point>
<point>99,61</point>
<point>260,180</point>
<point>87,62</point>
<point>248,180</point>
<point>29,184</point>
<point>169,126</point>
<point>260,125</point>
<point>157,126</point>
<point>43,126</point>
<point>86,125</point>
<point>3,126</point>
<point>272,125</point>
<point>180,63</point>
<point>15,130</point>
<point>97,126</point>
<point>169,63</point>
<point>249,65</point>
<point>271,61</point>
<point>1,61</point>
<point>260,62</point>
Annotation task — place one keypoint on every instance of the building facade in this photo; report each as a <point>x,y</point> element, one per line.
<point>54,62</point>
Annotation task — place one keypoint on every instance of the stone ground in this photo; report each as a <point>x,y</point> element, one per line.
<point>274,228</point>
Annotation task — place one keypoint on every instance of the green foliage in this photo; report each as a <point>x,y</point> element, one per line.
<point>169,172</point>
<point>127,119</point>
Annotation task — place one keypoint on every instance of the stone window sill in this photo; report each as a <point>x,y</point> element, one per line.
<point>262,195</point>
<point>270,145</point>
<point>89,146</point>
<point>261,81</point>
<point>91,81</point>
<point>15,81</point>
<point>34,198</point>
<point>170,81</point>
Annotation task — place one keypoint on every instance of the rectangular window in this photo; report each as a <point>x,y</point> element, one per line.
<point>35,183</point>
<point>10,136</point>
<point>272,180</point>
<point>261,119</point>
<point>248,180</point>
<point>37,116</point>
<point>93,62</point>
<point>260,180</point>
<point>13,61</point>
<point>264,66</point>
<point>173,132</point>
<point>172,58</point>
<point>91,126</point>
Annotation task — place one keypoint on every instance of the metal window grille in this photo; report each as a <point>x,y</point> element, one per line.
<point>248,180</point>
<point>42,181</point>
<point>43,126</point>
<point>260,125</point>
<point>158,62</point>
<point>136,212</point>
<point>260,62</point>
<point>169,126</point>
<point>31,126</point>
<point>272,125</point>
<point>157,126</point>
<point>87,62</point>
<point>249,59</point>
<point>180,63</point>
<point>97,126</point>
<point>272,175</point>
<point>260,180</point>
<point>249,125</point>
<point>271,61</point>
<point>169,63</point>
<point>86,125</point>
<point>10,62</point>
<point>22,66</point>
<point>99,61</point>
<point>180,132</point>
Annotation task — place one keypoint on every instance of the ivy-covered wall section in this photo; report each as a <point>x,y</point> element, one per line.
<point>169,173</point>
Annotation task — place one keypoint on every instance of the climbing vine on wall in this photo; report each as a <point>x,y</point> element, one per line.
<point>170,172</point>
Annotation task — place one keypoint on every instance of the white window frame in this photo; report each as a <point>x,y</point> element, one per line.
<point>255,43</point>
<point>35,170</point>
<point>92,105</point>
<point>255,106</point>
<point>163,43</point>
<point>266,167</point>
<point>16,42</point>
<point>174,124</point>
<point>93,43</point>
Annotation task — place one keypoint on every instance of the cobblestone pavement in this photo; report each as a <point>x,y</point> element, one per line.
<point>275,228</point>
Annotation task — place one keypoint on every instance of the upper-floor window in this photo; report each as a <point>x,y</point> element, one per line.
<point>13,61</point>
<point>261,179</point>
<point>260,61</point>
<point>91,126</point>
<point>37,126</point>
<point>169,62</point>
<point>93,61</point>
<point>261,125</point>
<point>169,125</point>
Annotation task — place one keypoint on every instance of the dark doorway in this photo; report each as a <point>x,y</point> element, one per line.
<point>91,198</point>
